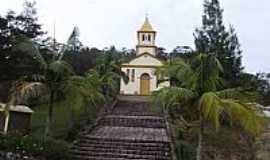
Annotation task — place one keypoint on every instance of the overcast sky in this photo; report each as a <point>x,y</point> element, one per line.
<point>104,23</point>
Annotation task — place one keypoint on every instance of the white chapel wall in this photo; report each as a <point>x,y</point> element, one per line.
<point>134,87</point>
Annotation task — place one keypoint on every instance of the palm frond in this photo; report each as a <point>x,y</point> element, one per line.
<point>59,70</point>
<point>179,70</point>
<point>25,90</point>
<point>237,93</point>
<point>211,108</point>
<point>247,114</point>
<point>87,87</point>
<point>215,108</point>
<point>208,72</point>
<point>171,96</point>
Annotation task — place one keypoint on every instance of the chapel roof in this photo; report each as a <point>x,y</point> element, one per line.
<point>146,26</point>
<point>141,55</point>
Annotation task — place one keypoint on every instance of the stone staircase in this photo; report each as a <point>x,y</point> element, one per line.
<point>129,132</point>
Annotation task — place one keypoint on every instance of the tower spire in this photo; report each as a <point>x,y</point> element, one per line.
<point>146,25</point>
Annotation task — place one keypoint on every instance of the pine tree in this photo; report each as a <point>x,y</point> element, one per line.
<point>73,42</point>
<point>213,38</point>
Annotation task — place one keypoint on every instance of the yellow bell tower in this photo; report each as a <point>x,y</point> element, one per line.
<point>146,39</point>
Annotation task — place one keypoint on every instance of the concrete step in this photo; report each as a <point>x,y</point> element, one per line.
<point>120,155</point>
<point>130,132</point>
<point>133,121</point>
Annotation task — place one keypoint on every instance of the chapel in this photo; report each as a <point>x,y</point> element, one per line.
<point>141,69</point>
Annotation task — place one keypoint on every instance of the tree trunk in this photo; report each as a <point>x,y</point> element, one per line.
<point>7,115</point>
<point>71,118</point>
<point>253,145</point>
<point>200,139</point>
<point>50,114</point>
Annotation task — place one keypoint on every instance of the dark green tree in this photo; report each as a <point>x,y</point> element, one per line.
<point>214,38</point>
<point>83,60</point>
<point>260,83</point>
<point>12,26</point>
<point>184,52</point>
<point>162,54</point>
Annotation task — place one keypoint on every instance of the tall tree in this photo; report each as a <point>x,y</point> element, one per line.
<point>52,79</point>
<point>26,22</point>
<point>12,26</point>
<point>213,38</point>
<point>74,43</point>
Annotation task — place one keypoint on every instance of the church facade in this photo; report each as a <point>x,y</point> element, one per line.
<point>141,69</point>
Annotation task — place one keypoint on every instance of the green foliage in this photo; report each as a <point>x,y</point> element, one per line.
<point>84,90</point>
<point>57,79</point>
<point>227,142</point>
<point>246,114</point>
<point>83,60</point>
<point>259,83</point>
<point>213,38</point>
<point>68,119</point>
<point>172,96</point>
<point>49,149</point>
<point>198,88</point>
<point>184,148</point>
<point>15,64</point>
<point>109,73</point>
<point>199,91</point>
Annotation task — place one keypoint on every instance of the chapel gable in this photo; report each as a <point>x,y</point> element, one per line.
<point>145,59</point>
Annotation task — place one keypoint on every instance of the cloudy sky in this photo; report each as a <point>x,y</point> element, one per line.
<point>115,22</point>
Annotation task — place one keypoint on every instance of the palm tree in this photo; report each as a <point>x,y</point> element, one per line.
<point>110,74</point>
<point>198,91</point>
<point>56,78</point>
<point>52,79</point>
<point>83,89</point>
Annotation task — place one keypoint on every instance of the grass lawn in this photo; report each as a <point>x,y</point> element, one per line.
<point>61,119</point>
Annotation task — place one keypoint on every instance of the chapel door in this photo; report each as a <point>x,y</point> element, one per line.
<point>145,85</point>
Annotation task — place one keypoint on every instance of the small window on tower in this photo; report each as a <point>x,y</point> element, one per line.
<point>133,75</point>
<point>149,38</point>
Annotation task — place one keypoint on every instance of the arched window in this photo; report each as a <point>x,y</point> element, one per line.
<point>149,37</point>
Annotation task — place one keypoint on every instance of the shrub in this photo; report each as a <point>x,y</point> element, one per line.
<point>49,149</point>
